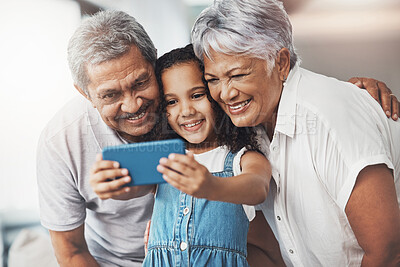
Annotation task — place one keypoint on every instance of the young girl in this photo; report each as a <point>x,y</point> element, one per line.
<point>197,218</point>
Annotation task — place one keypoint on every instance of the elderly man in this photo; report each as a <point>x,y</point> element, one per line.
<point>112,62</point>
<point>112,59</point>
<point>335,157</point>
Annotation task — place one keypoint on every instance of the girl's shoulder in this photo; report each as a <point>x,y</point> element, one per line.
<point>213,159</point>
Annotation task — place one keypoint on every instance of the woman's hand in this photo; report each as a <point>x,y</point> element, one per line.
<point>381,93</point>
<point>108,181</point>
<point>187,175</point>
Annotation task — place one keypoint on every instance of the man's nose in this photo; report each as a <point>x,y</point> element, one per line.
<point>131,104</point>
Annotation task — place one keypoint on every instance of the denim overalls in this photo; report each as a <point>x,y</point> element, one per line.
<point>187,231</point>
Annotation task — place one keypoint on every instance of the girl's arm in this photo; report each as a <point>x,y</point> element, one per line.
<point>250,187</point>
<point>105,181</point>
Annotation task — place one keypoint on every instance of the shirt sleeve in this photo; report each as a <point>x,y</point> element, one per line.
<point>62,208</point>
<point>249,210</point>
<point>347,144</point>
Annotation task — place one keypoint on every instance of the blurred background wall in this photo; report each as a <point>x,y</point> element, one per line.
<point>339,38</point>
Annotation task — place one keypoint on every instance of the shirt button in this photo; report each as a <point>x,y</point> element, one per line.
<point>183,246</point>
<point>291,251</point>
<point>278,217</point>
<point>275,148</point>
<point>185,211</point>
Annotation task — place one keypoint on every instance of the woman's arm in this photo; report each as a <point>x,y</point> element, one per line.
<point>189,176</point>
<point>374,216</point>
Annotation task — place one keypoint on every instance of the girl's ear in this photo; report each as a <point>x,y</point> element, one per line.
<point>283,63</point>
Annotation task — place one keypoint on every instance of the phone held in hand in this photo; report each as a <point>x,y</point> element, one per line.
<point>141,159</point>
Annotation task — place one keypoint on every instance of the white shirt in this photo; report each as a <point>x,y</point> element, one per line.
<point>327,131</point>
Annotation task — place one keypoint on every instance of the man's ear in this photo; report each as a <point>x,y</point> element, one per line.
<point>283,62</point>
<point>82,92</point>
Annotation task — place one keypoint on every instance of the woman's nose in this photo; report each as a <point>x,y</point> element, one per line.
<point>227,92</point>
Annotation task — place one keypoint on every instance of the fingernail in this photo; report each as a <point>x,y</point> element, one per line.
<point>127,189</point>
<point>163,160</point>
<point>395,117</point>
<point>160,168</point>
<point>124,171</point>
<point>388,113</point>
<point>171,156</point>
<point>127,179</point>
<point>116,164</point>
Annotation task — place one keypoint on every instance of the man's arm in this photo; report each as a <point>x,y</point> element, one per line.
<point>381,93</point>
<point>374,216</point>
<point>262,246</point>
<point>71,249</point>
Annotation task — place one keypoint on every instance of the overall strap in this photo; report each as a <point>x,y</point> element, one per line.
<point>229,161</point>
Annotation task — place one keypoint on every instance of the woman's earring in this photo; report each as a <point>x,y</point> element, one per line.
<point>284,81</point>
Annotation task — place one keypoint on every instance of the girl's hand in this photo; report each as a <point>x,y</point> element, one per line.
<point>187,175</point>
<point>381,93</point>
<point>107,181</point>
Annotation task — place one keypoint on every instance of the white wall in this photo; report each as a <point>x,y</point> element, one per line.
<point>345,38</point>
<point>35,82</point>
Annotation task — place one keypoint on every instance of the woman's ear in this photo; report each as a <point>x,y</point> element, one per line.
<point>283,63</point>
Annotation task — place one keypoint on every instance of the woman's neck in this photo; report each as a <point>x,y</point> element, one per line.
<point>269,126</point>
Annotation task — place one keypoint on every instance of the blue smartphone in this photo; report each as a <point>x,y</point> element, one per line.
<point>141,159</point>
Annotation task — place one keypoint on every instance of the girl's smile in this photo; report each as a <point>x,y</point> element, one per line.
<point>190,113</point>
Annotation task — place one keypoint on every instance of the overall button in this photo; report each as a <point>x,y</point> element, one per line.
<point>278,217</point>
<point>183,246</point>
<point>291,251</point>
<point>185,211</point>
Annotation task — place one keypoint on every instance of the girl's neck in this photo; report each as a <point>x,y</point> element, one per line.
<point>202,147</point>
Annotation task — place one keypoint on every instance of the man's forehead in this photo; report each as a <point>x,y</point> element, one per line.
<point>118,70</point>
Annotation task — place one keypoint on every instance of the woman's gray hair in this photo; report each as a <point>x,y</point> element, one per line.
<point>256,28</point>
<point>105,36</point>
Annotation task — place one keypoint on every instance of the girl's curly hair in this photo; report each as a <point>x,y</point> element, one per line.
<point>227,133</point>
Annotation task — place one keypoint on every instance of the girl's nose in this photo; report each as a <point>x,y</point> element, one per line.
<point>187,110</point>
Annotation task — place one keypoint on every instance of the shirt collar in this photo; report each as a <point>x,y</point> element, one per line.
<point>286,117</point>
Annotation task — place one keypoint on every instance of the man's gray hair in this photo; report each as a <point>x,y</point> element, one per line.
<point>105,36</point>
<point>255,28</point>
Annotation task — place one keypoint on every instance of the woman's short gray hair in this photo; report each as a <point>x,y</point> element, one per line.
<point>105,36</point>
<point>256,28</point>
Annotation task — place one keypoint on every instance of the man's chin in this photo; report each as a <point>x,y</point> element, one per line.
<point>138,134</point>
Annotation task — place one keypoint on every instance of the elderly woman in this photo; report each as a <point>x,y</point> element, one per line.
<point>334,198</point>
